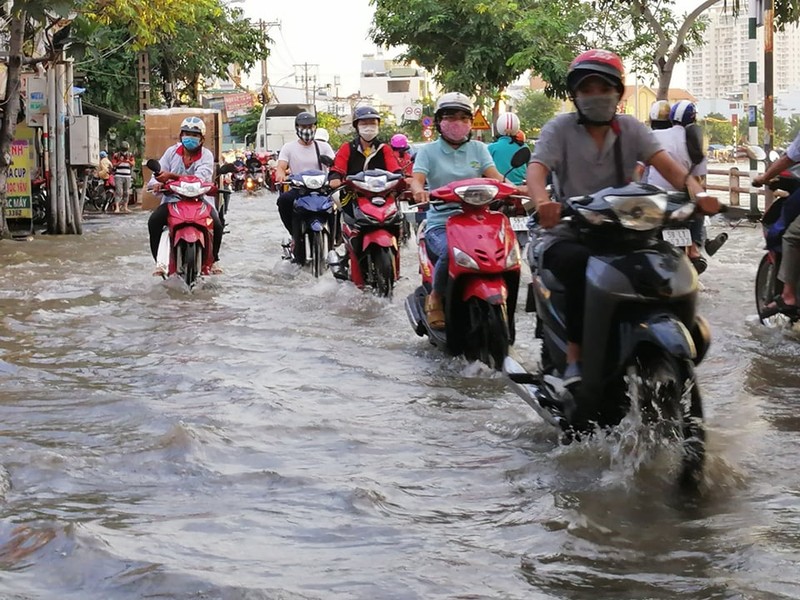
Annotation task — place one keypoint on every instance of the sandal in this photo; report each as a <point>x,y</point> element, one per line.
<point>434,312</point>
<point>778,305</point>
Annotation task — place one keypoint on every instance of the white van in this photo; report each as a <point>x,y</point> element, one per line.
<point>276,126</point>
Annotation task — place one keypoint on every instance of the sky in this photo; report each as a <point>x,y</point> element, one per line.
<point>331,36</point>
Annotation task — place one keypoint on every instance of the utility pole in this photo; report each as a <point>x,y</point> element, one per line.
<point>769,93</point>
<point>752,108</point>
<point>305,79</point>
<point>264,27</point>
<point>143,80</point>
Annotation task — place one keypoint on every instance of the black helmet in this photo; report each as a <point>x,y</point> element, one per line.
<point>304,119</point>
<point>365,112</point>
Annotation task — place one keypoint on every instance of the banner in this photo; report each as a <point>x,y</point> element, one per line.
<point>238,105</point>
<point>18,188</point>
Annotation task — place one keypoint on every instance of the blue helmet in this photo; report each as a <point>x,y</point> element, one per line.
<point>103,153</point>
<point>683,113</point>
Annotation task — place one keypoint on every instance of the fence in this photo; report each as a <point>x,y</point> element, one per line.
<point>734,187</point>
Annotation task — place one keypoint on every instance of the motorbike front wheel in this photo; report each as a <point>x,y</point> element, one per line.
<point>382,271</point>
<point>319,253</point>
<point>768,288</point>
<point>189,262</point>
<point>487,338</point>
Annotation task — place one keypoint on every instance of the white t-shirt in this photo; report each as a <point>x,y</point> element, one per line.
<point>301,158</point>
<point>673,140</point>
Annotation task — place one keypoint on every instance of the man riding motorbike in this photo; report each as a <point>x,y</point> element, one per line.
<point>588,150</point>
<point>452,157</point>
<point>187,157</point>
<point>789,272</point>
<point>300,155</point>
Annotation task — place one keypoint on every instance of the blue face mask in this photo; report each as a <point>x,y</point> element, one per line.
<point>190,143</point>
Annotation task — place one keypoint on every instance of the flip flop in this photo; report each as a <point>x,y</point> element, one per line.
<point>778,305</point>
<point>434,314</point>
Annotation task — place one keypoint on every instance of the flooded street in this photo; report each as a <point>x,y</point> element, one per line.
<point>270,436</point>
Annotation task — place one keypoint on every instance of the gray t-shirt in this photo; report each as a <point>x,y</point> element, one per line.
<point>571,154</point>
<point>304,158</point>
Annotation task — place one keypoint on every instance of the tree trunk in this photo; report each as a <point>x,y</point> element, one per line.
<point>8,125</point>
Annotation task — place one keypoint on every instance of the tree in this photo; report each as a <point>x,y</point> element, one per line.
<point>477,47</point>
<point>534,110</point>
<point>247,126</point>
<point>718,128</point>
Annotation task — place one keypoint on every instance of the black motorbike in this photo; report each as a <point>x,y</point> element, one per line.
<point>642,337</point>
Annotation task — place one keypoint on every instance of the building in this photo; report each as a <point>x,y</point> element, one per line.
<point>719,69</point>
<point>399,87</point>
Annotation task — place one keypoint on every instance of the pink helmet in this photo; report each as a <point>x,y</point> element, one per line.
<point>399,142</point>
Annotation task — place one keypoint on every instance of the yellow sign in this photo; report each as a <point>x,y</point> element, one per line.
<point>479,121</point>
<point>19,174</point>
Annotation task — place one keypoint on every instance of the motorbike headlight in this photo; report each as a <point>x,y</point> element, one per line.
<point>477,195</point>
<point>514,257</point>
<point>465,260</point>
<point>640,213</point>
<point>313,182</point>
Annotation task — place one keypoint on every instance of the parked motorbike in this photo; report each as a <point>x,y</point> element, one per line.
<point>642,338</point>
<point>186,245</point>
<point>774,223</point>
<point>313,210</point>
<point>371,232</point>
<point>483,275</point>
<point>40,200</point>
<point>100,194</point>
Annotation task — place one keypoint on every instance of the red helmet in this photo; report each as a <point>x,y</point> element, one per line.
<point>602,63</point>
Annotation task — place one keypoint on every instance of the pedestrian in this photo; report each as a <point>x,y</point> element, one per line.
<point>124,163</point>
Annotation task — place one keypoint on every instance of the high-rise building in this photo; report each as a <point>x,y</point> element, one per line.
<point>719,69</point>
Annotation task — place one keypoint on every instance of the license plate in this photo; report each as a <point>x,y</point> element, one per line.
<point>519,223</point>
<point>677,237</point>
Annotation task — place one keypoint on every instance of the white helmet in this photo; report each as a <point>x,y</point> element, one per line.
<point>322,134</point>
<point>453,101</point>
<point>193,125</point>
<point>659,110</point>
<point>507,124</point>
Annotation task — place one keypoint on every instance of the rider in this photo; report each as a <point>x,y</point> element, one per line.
<point>589,150</point>
<point>302,154</point>
<point>322,135</point>
<point>402,152</point>
<point>253,163</point>
<point>452,157</point>
<point>187,157</point>
<point>685,145</point>
<point>789,272</point>
<point>503,148</point>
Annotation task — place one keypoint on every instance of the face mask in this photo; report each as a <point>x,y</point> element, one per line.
<point>368,132</point>
<point>455,131</point>
<point>598,109</point>
<point>190,143</point>
<point>305,134</point>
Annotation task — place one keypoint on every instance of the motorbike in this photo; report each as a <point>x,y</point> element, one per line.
<point>40,200</point>
<point>254,181</point>
<point>239,176</point>
<point>774,223</point>
<point>186,244</point>
<point>371,232</point>
<point>224,190</point>
<point>483,275</point>
<point>642,338</point>
<point>313,210</point>
<point>100,194</point>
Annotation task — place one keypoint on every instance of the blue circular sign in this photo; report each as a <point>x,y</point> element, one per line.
<point>427,121</point>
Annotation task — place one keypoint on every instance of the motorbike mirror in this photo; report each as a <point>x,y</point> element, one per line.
<point>521,157</point>
<point>773,156</point>
<point>223,170</point>
<point>153,165</point>
<point>755,152</point>
<point>326,160</point>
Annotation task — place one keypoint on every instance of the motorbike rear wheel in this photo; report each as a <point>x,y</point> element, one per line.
<point>381,271</point>
<point>487,338</point>
<point>768,287</point>
<point>669,401</point>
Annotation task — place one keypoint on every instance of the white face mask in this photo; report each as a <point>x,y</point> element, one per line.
<point>368,132</point>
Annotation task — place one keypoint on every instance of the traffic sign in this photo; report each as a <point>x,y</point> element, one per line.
<point>427,133</point>
<point>427,121</point>
<point>479,121</point>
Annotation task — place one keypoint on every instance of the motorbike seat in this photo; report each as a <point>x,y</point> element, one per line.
<point>551,281</point>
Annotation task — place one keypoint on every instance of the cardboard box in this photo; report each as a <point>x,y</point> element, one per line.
<point>162,130</point>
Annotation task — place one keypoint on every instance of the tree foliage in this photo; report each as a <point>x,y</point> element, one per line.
<point>718,129</point>
<point>469,45</point>
<point>248,124</point>
<point>534,110</point>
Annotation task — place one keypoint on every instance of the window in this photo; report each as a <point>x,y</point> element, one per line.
<point>398,87</point>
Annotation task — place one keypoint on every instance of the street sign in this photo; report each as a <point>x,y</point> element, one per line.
<point>427,133</point>
<point>479,121</point>
<point>412,113</point>
<point>427,121</point>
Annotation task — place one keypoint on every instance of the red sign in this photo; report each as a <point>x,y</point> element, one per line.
<point>238,105</point>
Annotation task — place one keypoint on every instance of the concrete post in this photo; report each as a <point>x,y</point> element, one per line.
<point>752,109</point>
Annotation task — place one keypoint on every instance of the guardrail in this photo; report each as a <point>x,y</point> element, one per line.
<point>734,187</point>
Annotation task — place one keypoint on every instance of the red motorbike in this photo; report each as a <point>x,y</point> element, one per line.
<point>483,275</point>
<point>371,232</point>
<point>188,247</point>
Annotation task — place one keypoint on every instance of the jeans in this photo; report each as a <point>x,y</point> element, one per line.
<point>697,229</point>
<point>567,260</point>
<point>436,246</point>
<point>286,207</point>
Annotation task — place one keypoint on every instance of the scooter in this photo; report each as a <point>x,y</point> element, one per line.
<point>483,275</point>
<point>371,232</point>
<point>642,338</point>
<point>186,244</point>
<point>313,210</point>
